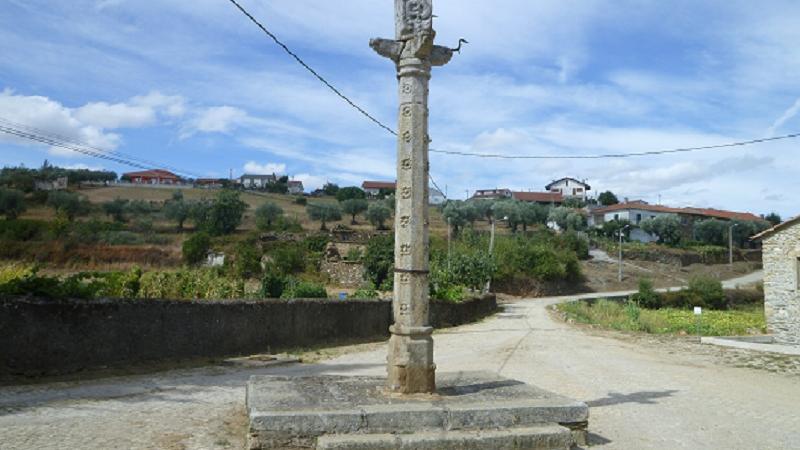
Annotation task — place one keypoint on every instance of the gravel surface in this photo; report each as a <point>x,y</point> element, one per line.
<point>645,392</point>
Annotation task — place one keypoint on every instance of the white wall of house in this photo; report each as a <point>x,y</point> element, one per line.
<point>372,192</point>
<point>435,197</point>
<point>634,216</point>
<point>570,188</point>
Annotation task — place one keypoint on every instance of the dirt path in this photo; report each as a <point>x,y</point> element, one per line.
<point>644,393</point>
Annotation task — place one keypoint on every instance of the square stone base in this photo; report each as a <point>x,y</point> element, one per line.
<point>469,407</point>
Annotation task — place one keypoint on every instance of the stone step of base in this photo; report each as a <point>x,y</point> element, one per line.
<point>539,437</point>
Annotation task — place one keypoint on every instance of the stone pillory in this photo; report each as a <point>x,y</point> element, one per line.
<point>410,364</point>
<point>781,254</point>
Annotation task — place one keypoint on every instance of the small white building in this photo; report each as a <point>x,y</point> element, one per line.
<point>250,181</point>
<point>781,257</point>
<point>569,188</point>
<point>295,187</point>
<point>435,196</point>
<point>374,188</point>
<point>492,194</point>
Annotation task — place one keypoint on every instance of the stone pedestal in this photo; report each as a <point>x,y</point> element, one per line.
<point>471,410</point>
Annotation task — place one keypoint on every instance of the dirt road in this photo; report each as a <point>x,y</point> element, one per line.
<point>644,393</point>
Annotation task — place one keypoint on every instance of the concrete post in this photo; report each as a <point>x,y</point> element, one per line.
<point>410,363</point>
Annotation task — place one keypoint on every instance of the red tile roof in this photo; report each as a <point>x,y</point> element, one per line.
<point>378,185</point>
<point>540,197</point>
<point>154,173</point>
<point>705,212</point>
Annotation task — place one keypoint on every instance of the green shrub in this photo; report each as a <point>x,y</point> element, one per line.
<point>190,284</point>
<point>120,238</point>
<point>303,289</point>
<point>300,201</point>
<point>354,254</point>
<point>366,291</point>
<point>266,215</point>
<point>647,297</point>
<point>12,203</point>
<point>451,293</point>
<point>350,192</point>
<point>289,258</point>
<point>316,242</point>
<point>272,285</point>
<point>379,259</point>
<point>195,248</point>
<point>222,216</point>
<point>706,291</point>
<point>247,260</point>
<point>22,230</point>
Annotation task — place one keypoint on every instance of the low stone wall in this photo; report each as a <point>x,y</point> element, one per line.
<point>48,337</point>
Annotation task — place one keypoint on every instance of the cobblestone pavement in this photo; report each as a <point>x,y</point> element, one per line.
<point>645,392</point>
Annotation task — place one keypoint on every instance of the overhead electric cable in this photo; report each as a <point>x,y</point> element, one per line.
<point>86,148</point>
<point>620,155</point>
<point>79,148</point>
<point>312,71</point>
<point>496,155</point>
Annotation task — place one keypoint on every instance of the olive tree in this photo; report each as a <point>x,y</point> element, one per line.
<point>324,213</point>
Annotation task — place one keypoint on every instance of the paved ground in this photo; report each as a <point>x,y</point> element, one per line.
<point>645,392</point>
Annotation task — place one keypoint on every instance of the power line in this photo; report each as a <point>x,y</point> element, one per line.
<point>312,71</point>
<point>491,155</point>
<point>76,147</point>
<point>620,155</point>
<point>86,148</point>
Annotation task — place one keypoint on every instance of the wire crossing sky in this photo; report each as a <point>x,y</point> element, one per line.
<point>192,87</point>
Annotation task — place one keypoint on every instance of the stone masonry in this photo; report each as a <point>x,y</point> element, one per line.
<point>782,283</point>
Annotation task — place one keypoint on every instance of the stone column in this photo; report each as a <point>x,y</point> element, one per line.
<point>410,363</point>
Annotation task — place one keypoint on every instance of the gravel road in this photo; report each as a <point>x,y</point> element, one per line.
<point>644,392</point>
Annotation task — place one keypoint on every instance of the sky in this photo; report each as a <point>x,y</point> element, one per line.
<point>195,85</point>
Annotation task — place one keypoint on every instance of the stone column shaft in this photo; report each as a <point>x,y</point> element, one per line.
<point>410,360</point>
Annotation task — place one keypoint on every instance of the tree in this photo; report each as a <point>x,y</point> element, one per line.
<point>574,202</point>
<point>455,214</point>
<point>12,203</point>
<point>346,193</point>
<point>483,208</point>
<point>354,207</point>
<point>195,248</point>
<point>178,211</point>
<point>773,218</point>
<point>607,198</point>
<point>666,227</point>
<point>576,221</point>
<point>711,231</point>
<point>67,203</point>
<point>611,228</point>
<point>531,214</point>
<point>115,209</point>
<point>510,211</point>
<point>379,259</point>
<point>324,213</point>
<point>330,189</point>
<point>266,214</point>
<point>377,214</point>
<point>222,216</point>
<point>559,216</point>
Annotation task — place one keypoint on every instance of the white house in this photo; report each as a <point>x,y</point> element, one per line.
<point>374,188</point>
<point>569,188</point>
<point>435,196</point>
<point>250,181</point>
<point>492,194</point>
<point>295,187</point>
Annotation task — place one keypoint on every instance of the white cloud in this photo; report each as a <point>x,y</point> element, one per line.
<point>217,119</point>
<point>45,114</point>
<point>140,111</point>
<point>787,115</point>
<point>253,167</point>
<point>311,182</point>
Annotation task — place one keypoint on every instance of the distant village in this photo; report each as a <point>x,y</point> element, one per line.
<point>567,191</point>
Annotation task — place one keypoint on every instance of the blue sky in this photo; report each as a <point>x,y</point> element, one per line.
<point>195,85</point>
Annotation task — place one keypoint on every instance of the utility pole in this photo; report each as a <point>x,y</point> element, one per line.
<point>410,367</point>
<point>730,243</point>
<point>621,233</point>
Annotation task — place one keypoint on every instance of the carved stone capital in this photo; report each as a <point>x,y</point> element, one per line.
<point>440,55</point>
<point>388,48</point>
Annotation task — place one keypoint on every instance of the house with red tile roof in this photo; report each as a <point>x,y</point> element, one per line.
<point>154,176</point>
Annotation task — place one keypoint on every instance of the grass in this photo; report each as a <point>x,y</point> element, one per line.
<point>629,317</point>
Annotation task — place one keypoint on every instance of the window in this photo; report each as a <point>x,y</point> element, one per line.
<point>638,219</point>
<point>579,189</point>
<point>616,216</point>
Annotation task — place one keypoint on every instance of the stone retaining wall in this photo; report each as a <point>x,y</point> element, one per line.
<point>47,337</point>
<point>782,284</point>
